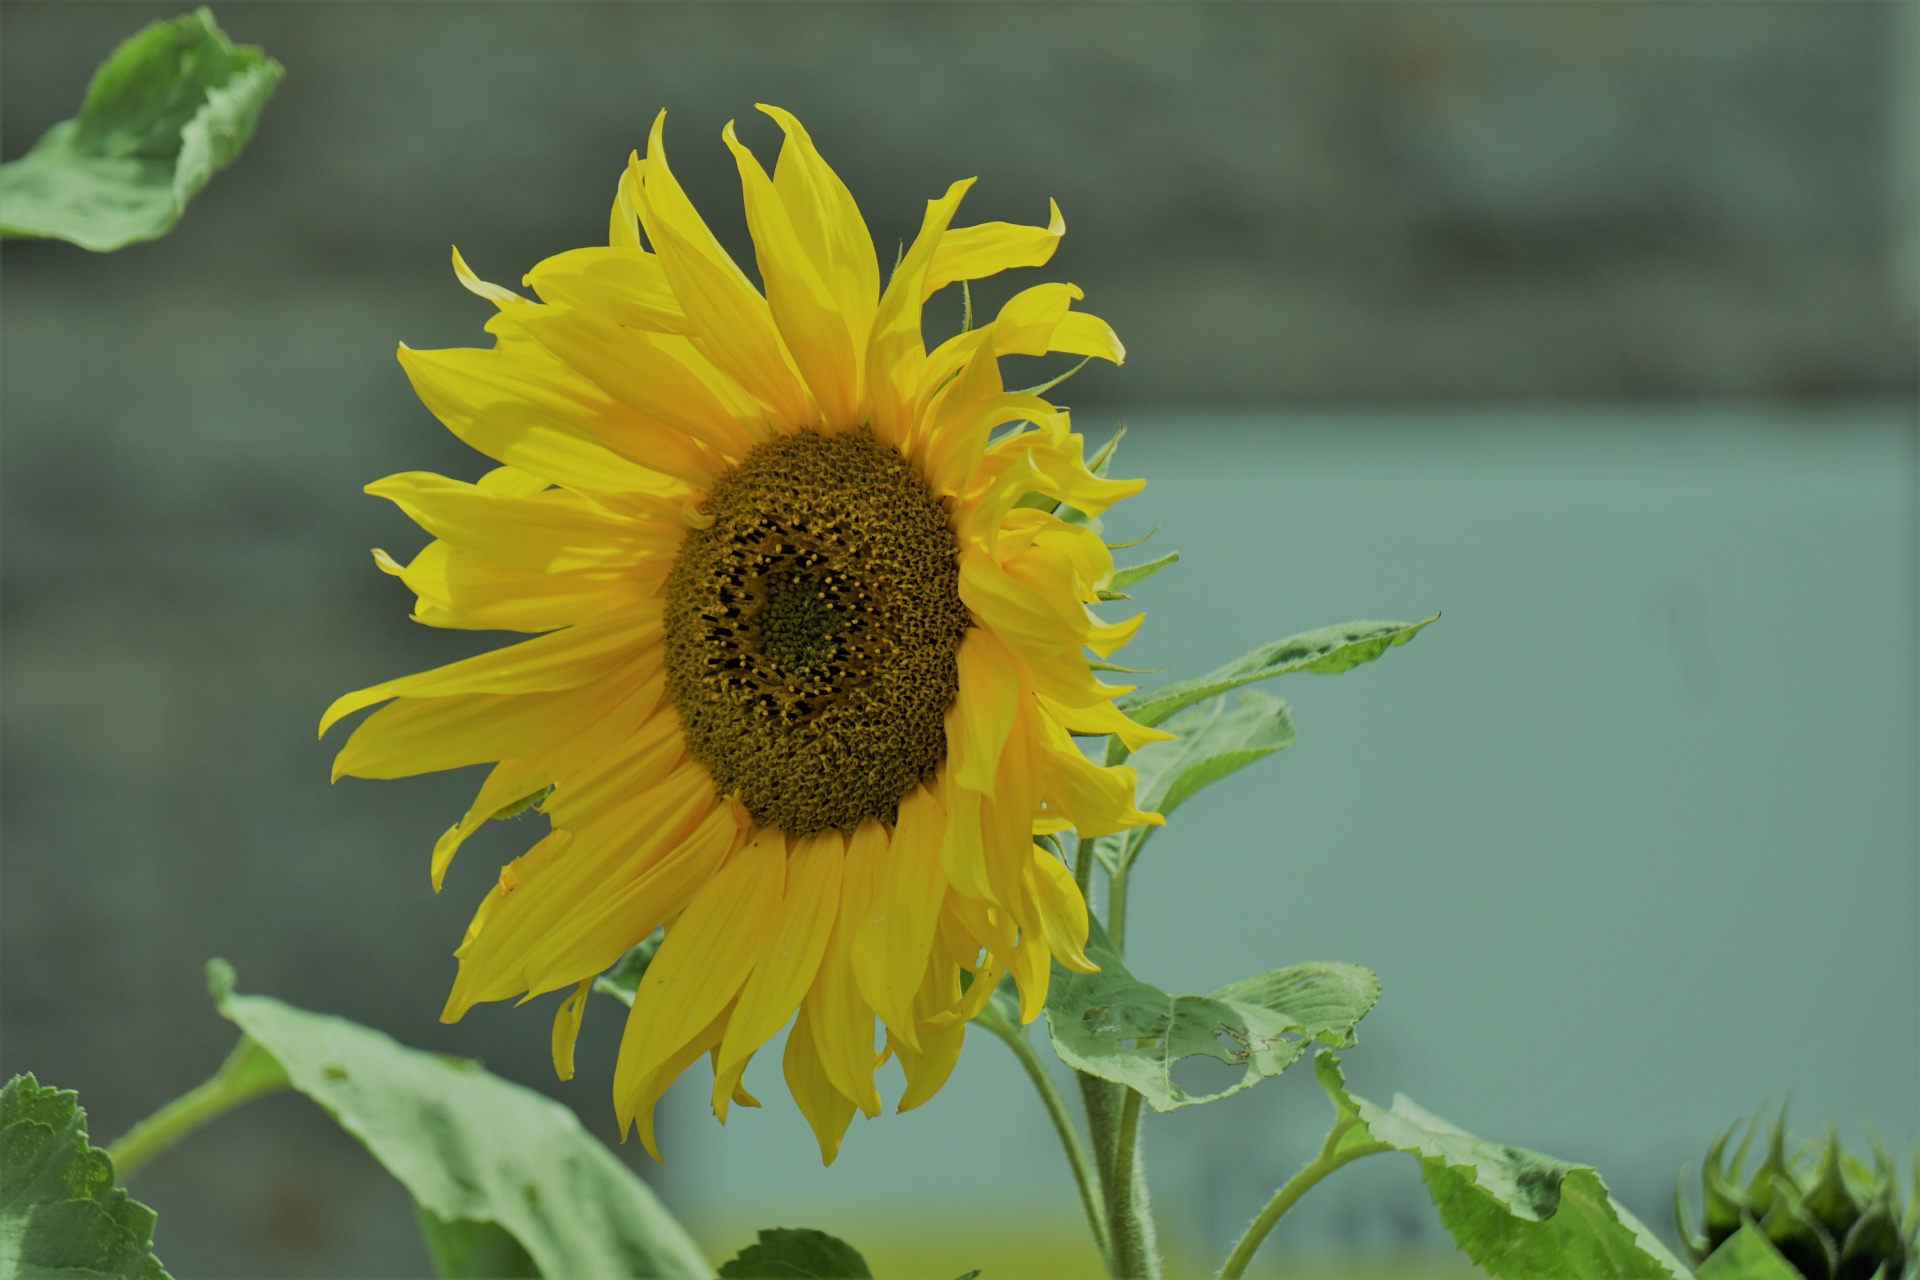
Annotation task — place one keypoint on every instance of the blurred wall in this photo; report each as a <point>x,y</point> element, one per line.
<point>1396,205</point>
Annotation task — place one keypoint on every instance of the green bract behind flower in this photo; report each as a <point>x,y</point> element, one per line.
<point>1824,1211</point>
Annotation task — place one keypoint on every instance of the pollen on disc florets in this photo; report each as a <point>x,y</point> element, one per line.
<point>812,632</point>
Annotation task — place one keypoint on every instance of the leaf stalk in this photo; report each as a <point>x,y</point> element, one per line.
<point>1329,1159</point>
<point>249,1072</point>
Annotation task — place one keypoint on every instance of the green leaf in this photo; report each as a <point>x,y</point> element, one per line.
<point>1747,1254</point>
<point>1110,1024</point>
<point>622,982</point>
<point>1517,1214</point>
<point>1124,578</point>
<point>1325,652</point>
<point>466,1250</point>
<point>1212,742</point>
<point>60,1213</point>
<point>471,1147</point>
<point>786,1252</point>
<point>173,105</point>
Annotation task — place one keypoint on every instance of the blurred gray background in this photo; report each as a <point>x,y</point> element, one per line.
<point>1591,324</point>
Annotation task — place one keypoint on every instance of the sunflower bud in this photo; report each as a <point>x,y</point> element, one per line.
<point>1827,1212</point>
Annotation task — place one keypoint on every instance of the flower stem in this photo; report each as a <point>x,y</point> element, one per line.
<point>1129,1218</point>
<point>1117,905</point>
<point>1083,866</point>
<point>1084,1173</point>
<point>1329,1159</point>
<point>249,1072</point>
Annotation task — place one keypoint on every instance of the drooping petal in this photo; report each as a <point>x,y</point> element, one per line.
<point>781,978</point>
<point>890,948</point>
<point>842,1021</point>
<point>971,253</point>
<point>555,903</point>
<point>704,960</point>
<point>566,1028</point>
<point>827,1110</point>
<point>1061,910</point>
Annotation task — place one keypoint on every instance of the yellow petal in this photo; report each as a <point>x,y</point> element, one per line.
<point>566,1028</point>
<point>623,913</point>
<point>890,949</point>
<point>970,253</point>
<point>480,288</point>
<point>787,969</point>
<point>460,589</point>
<point>642,372</point>
<point>1061,910</point>
<point>550,532</point>
<point>983,710</point>
<point>507,782</point>
<point>626,284</point>
<point>425,735</point>
<point>515,413</point>
<point>559,660</point>
<point>553,928</point>
<point>1102,718</point>
<point>635,1104</point>
<point>806,310</point>
<point>829,226</point>
<point>623,223</point>
<point>827,1110</point>
<point>728,319</point>
<point>842,1020</point>
<point>895,351</point>
<point>705,959</point>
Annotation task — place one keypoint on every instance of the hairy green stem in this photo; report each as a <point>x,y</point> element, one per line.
<point>1329,1159</point>
<point>1084,1173</point>
<point>249,1072</point>
<point>1117,905</point>
<point>1135,1255</point>
<point>1083,867</point>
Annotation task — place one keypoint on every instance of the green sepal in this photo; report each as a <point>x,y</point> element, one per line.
<point>471,1147</point>
<point>1828,1198</point>
<point>1517,1214</point>
<point>1135,573</point>
<point>1725,1205</point>
<point>1747,1255</point>
<point>790,1253</point>
<point>1759,1195</point>
<point>1111,1025</point>
<point>174,104</point>
<point>622,982</point>
<point>1797,1234</point>
<point>1122,546</point>
<point>60,1213</point>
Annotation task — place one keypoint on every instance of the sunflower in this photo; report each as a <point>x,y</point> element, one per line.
<point>813,638</point>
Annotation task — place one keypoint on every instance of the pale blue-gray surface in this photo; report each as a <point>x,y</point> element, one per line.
<point>1629,834</point>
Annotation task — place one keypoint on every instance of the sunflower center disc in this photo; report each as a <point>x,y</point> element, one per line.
<point>812,632</point>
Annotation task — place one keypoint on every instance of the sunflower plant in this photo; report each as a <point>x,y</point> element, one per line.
<point>820,711</point>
